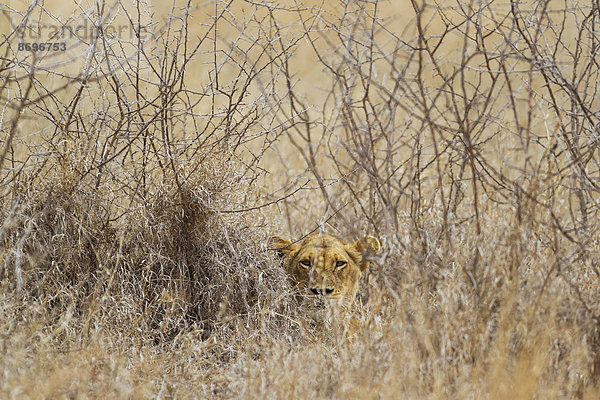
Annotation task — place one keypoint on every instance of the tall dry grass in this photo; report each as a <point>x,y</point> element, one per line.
<point>144,168</point>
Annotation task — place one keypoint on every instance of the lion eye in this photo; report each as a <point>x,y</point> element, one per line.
<point>340,264</point>
<point>305,263</point>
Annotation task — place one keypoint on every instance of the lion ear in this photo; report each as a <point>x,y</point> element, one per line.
<point>283,246</point>
<point>366,246</point>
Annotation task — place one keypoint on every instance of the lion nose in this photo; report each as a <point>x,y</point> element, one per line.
<point>321,291</point>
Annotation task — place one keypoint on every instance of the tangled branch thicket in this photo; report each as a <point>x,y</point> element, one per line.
<point>145,166</point>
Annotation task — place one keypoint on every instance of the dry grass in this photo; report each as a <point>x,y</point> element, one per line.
<point>142,177</point>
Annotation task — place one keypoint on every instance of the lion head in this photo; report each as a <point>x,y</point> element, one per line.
<point>326,266</point>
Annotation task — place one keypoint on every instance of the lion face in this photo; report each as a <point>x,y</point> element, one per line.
<point>325,266</point>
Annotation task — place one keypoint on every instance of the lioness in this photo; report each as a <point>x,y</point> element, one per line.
<point>326,266</point>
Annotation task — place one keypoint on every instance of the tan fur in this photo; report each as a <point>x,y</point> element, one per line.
<point>325,266</point>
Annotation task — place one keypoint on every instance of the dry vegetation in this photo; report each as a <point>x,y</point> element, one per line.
<point>144,167</point>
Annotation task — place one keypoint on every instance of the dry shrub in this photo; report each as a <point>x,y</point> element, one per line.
<point>125,229</point>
